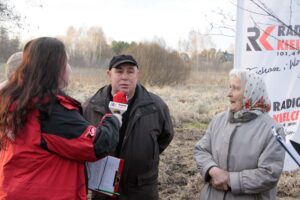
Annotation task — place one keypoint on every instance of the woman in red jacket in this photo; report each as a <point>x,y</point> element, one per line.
<point>44,140</point>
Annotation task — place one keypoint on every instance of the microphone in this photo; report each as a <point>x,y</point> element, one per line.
<point>119,103</point>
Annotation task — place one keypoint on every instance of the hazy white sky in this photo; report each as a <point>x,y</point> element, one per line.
<point>127,20</point>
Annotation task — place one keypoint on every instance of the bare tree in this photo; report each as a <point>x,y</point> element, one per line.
<point>262,9</point>
<point>8,46</point>
<point>11,19</point>
<point>87,47</point>
<point>159,66</point>
<point>8,16</point>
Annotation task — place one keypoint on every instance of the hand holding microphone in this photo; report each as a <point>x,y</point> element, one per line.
<point>119,105</point>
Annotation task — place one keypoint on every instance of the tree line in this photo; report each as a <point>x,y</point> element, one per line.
<point>89,48</point>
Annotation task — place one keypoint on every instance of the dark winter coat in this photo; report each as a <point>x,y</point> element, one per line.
<point>149,132</point>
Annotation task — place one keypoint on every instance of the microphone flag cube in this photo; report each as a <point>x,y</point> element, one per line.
<point>119,103</point>
<point>120,97</point>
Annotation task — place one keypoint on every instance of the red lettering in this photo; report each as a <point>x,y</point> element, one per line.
<point>295,115</point>
<point>292,44</point>
<point>263,38</point>
<point>278,118</point>
<point>288,45</point>
<point>280,44</point>
<point>285,116</point>
<point>298,44</point>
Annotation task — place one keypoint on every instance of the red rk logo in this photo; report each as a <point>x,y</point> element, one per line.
<point>258,42</point>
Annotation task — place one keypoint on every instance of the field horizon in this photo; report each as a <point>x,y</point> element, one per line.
<point>192,105</point>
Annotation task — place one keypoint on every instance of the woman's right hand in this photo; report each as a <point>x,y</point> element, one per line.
<point>219,178</point>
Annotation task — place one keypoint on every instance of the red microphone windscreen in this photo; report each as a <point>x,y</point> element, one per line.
<point>120,97</point>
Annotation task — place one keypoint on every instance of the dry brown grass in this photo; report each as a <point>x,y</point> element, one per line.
<point>192,105</point>
<point>85,82</point>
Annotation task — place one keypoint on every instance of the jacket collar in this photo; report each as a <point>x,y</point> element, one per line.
<point>102,96</point>
<point>101,99</point>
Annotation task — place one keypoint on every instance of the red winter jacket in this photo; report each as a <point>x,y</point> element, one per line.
<point>46,161</point>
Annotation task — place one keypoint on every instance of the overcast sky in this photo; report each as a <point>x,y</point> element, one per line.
<point>126,20</point>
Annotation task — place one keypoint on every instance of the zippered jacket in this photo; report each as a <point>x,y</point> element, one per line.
<point>46,160</point>
<point>149,131</point>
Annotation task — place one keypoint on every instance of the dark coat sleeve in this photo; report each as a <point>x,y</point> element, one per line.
<point>167,134</point>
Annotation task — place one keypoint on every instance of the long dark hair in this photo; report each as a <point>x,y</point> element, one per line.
<point>38,76</point>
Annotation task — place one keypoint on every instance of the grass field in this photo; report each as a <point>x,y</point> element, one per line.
<point>192,105</point>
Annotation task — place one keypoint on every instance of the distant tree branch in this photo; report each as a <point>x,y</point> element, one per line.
<point>263,10</point>
<point>8,16</point>
<point>270,13</point>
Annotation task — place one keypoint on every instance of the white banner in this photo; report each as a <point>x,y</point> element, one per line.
<point>268,43</point>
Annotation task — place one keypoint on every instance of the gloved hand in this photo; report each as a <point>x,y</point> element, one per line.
<point>119,117</point>
<point>116,115</point>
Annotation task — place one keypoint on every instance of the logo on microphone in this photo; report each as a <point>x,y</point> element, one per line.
<point>119,103</point>
<point>116,107</point>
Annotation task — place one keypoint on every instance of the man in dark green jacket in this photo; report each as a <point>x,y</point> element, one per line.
<point>146,132</point>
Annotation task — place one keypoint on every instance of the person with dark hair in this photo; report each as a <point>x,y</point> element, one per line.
<point>146,132</point>
<point>238,157</point>
<point>44,140</point>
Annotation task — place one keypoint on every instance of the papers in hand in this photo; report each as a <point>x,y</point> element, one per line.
<point>288,148</point>
<point>104,175</point>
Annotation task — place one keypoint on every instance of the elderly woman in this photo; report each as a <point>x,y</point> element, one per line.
<point>238,157</point>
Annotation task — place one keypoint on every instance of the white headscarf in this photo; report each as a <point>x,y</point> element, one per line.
<point>255,97</point>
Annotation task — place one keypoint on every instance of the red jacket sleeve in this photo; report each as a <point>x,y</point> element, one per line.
<point>66,133</point>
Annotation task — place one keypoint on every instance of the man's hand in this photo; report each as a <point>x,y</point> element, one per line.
<point>219,178</point>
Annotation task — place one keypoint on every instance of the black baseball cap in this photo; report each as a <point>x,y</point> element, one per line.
<point>121,59</point>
